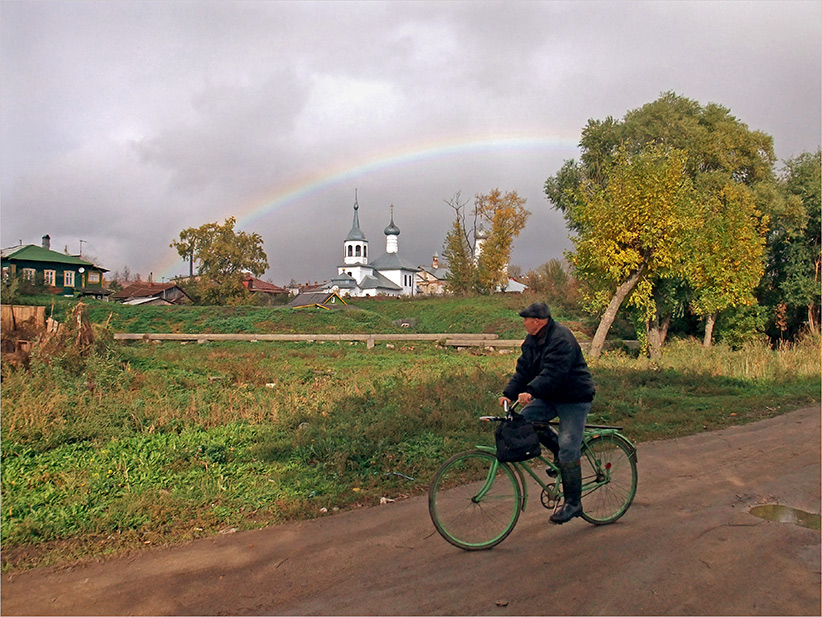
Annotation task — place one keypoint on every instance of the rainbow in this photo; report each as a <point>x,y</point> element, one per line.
<point>293,192</point>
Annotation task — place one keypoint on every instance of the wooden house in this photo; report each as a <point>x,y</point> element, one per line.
<point>143,292</point>
<point>255,285</point>
<point>61,273</point>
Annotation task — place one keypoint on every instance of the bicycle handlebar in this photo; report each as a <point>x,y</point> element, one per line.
<point>508,409</point>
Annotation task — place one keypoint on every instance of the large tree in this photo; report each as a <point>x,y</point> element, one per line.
<point>458,250</point>
<point>222,256</point>
<point>719,151</point>
<point>478,259</point>
<point>725,258</point>
<point>506,216</point>
<point>631,230</point>
<point>791,286</point>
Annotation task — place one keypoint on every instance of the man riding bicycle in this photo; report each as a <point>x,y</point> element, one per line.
<point>552,380</point>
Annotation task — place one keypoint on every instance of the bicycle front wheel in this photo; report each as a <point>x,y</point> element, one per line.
<point>474,500</point>
<point>609,478</point>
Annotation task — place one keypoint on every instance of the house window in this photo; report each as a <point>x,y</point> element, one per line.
<point>68,278</point>
<point>28,274</point>
<point>93,277</point>
<point>49,276</point>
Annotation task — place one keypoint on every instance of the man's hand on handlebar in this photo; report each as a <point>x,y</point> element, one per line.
<point>524,398</point>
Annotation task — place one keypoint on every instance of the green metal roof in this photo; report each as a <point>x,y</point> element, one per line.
<point>32,252</point>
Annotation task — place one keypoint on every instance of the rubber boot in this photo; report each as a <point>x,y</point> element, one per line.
<point>548,438</point>
<point>572,489</point>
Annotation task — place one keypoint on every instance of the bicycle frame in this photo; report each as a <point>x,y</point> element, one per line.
<point>522,467</point>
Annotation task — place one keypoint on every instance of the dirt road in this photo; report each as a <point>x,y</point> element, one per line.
<point>688,545</point>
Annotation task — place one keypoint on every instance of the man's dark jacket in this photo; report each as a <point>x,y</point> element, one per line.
<point>552,368</point>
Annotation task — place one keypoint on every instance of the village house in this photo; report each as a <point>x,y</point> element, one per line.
<point>432,280</point>
<point>59,272</point>
<point>148,293</point>
<point>255,285</point>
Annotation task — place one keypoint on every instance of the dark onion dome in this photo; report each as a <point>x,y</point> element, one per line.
<point>392,230</point>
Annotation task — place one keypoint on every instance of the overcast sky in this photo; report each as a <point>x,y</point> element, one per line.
<point>123,123</point>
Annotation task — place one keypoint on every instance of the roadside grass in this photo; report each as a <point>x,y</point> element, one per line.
<point>150,444</point>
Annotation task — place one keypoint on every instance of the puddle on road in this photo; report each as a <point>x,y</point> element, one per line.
<point>786,514</point>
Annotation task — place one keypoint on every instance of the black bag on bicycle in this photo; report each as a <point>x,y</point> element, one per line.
<point>516,440</point>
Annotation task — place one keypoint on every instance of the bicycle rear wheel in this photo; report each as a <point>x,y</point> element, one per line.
<point>609,478</point>
<point>474,500</point>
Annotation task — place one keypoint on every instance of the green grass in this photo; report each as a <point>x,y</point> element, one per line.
<point>159,443</point>
<point>493,314</point>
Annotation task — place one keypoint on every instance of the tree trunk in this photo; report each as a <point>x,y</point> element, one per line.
<point>610,313</point>
<point>657,333</point>
<point>710,320</point>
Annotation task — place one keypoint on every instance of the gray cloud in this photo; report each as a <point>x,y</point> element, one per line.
<point>123,123</point>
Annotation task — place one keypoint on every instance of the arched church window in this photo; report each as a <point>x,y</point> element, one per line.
<point>365,251</point>
<point>350,251</point>
<point>359,251</point>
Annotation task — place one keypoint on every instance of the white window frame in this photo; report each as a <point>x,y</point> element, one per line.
<point>49,276</point>
<point>29,274</point>
<point>68,278</point>
<point>93,277</point>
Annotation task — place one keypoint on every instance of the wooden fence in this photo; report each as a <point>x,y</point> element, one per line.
<point>13,317</point>
<point>451,340</point>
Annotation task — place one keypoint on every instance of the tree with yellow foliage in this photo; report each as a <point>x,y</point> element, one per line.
<point>730,168</point>
<point>222,255</point>
<point>630,231</point>
<point>506,216</point>
<point>727,254</point>
<point>482,268</point>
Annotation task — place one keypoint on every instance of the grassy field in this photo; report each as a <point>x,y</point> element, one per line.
<point>496,314</point>
<point>144,444</point>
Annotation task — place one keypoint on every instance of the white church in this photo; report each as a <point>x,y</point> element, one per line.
<point>389,274</point>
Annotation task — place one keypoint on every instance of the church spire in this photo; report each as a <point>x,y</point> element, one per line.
<point>356,233</point>
<point>355,247</point>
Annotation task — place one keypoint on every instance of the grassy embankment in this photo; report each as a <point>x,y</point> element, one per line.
<point>148,444</point>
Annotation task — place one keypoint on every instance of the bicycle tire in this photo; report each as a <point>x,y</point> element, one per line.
<point>611,460</point>
<point>463,517</point>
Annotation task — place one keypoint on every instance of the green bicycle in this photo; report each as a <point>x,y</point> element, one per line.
<point>475,501</point>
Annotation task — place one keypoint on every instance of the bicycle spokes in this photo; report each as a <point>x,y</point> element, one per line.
<point>609,478</point>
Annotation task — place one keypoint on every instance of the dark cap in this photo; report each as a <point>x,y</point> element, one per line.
<point>539,310</point>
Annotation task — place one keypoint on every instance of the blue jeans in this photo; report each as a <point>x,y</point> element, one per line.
<point>572,418</point>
